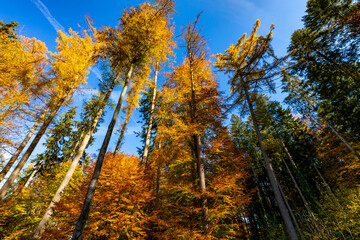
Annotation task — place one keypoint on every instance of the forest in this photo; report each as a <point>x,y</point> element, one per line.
<point>212,164</point>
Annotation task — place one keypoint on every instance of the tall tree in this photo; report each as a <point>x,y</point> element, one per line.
<point>139,44</point>
<point>250,71</point>
<point>195,53</point>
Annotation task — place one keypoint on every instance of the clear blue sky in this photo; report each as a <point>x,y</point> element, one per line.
<point>223,22</point>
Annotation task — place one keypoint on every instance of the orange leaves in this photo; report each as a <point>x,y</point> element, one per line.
<point>120,198</point>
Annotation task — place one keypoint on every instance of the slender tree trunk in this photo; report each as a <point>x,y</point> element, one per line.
<point>288,154</point>
<point>336,133</point>
<point>32,146</point>
<point>290,210</point>
<point>49,211</point>
<point>12,160</point>
<point>342,139</point>
<point>157,189</point>
<point>32,175</point>
<point>145,154</point>
<point>123,128</point>
<point>285,215</point>
<point>198,155</point>
<point>302,196</point>
<point>91,190</point>
<point>326,184</point>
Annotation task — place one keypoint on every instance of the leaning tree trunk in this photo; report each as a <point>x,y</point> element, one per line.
<point>123,128</point>
<point>49,211</point>
<point>289,209</point>
<point>145,154</point>
<point>307,206</point>
<point>328,188</point>
<point>342,139</point>
<point>285,215</point>
<point>32,146</point>
<point>336,133</point>
<point>13,158</point>
<point>91,190</point>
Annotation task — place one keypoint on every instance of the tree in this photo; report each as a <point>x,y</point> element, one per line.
<point>93,112</point>
<point>69,69</point>
<point>139,44</point>
<point>326,59</point>
<point>250,72</point>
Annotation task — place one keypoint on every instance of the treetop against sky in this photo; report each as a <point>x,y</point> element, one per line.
<point>222,21</point>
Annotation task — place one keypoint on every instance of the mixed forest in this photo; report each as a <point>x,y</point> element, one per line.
<point>212,164</point>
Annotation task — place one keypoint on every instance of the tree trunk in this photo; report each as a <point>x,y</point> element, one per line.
<point>290,210</point>
<point>32,146</point>
<point>302,197</point>
<point>157,189</point>
<point>7,167</point>
<point>336,133</point>
<point>91,190</point>
<point>32,175</point>
<point>326,184</point>
<point>49,211</point>
<point>144,157</point>
<point>198,155</point>
<point>285,215</point>
<point>342,139</point>
<point>121,134</point>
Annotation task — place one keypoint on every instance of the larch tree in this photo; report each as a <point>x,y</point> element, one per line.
<point>250,71</point>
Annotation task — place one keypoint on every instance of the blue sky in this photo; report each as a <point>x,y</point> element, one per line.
<point>222,21</point>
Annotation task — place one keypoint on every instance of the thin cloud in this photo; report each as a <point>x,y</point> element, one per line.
<point>45,11</point>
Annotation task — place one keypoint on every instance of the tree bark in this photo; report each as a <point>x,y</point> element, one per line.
<point>49,211</point>
<point>285,215</point>
<point>91,190</point>
<point>145,154</point>
<point>32,146</point>
<point>21,147</point>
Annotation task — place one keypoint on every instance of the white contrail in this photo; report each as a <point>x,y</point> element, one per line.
<point>57,26</point>
<point>45,11</point>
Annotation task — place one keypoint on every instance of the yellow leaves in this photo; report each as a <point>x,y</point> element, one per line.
<point>71,64</point>
<point>246,50</point>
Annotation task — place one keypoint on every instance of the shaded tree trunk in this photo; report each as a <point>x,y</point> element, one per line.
<point>60,191</point>
<point>21,147</point>
<point>285,215</point>
<point>326,184</point>
<point>307,206</point>
<point>91,190</point>
<point>290,210</point>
